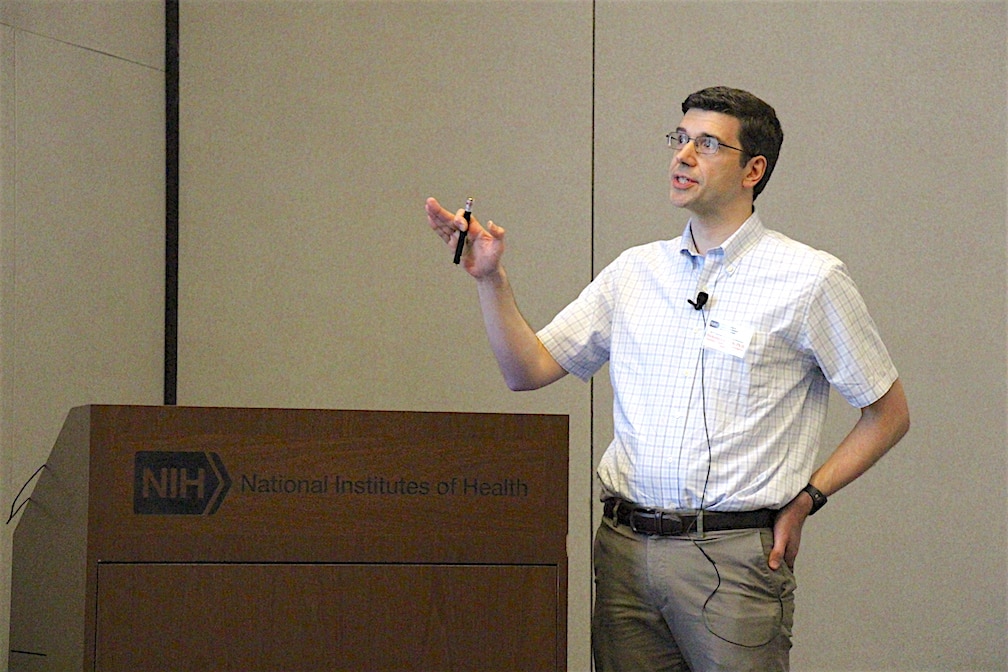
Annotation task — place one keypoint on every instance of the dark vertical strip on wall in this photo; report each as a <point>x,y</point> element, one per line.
<point>171,200</point>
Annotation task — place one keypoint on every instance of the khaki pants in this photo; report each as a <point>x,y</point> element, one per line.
<point>661,605</point>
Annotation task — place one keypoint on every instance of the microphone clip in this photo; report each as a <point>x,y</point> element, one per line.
<point>701,301</point>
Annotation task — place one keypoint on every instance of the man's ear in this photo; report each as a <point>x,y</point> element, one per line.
<point>755,169</point>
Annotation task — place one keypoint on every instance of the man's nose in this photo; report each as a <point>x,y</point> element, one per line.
<point>684,153</point>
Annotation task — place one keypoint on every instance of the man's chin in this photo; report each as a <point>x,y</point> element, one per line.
<point>679,199</point>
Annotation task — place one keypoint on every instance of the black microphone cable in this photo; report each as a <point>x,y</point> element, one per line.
<point>701,301</point>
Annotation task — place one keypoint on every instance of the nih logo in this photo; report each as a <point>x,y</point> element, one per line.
<point>178,483</point>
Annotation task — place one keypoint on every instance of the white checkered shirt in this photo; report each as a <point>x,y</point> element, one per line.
<point>754,415</point>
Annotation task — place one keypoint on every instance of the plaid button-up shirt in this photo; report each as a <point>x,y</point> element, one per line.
<point>740,386</point>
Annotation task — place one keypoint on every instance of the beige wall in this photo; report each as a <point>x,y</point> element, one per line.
<point>311,135</point>
<point>906,569</point>
<point>311,132</point>
<point>6,327</point>
<point>81,223</point>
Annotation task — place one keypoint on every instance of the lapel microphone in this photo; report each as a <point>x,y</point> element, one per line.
<point>701,301</point>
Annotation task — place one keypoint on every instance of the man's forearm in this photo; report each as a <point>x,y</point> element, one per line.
<point>523,360</point>
<point>881,425</point>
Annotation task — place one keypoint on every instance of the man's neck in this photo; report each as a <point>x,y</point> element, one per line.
<point>710,232</point>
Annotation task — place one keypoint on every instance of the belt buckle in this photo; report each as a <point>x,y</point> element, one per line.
<point>645,514</point>
<point>666,524</point>
<point>675,524</point>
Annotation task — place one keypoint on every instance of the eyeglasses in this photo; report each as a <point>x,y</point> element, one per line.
<point>705,144</point>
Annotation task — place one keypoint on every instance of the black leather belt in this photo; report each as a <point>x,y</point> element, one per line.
<point>659,522</point>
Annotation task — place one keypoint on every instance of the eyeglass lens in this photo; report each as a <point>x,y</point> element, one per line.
<point>705,144</point>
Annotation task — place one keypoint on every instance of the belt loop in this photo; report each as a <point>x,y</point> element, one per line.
<point>699,523</point>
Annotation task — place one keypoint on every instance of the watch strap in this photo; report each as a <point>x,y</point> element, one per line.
<point>818,498</point>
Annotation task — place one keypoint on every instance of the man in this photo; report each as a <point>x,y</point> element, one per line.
<point>722,345</point>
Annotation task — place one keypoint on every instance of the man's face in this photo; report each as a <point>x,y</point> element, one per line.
<point>709,185</point>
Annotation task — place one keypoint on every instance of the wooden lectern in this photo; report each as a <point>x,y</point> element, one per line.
<point>213,539</point>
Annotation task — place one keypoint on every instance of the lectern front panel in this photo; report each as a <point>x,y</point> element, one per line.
<point>287,539</point>
<point>305,617</point>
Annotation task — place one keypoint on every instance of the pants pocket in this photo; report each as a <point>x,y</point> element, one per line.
<point>752,605</point>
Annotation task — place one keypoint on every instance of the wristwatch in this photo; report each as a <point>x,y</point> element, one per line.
<point>818,499</point>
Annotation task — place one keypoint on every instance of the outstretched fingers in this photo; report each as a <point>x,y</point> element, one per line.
<point>446,224</point>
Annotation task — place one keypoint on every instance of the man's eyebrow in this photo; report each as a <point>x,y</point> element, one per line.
<point>680,129</point>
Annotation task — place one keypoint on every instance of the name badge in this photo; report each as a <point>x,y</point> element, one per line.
<point>729,339</point>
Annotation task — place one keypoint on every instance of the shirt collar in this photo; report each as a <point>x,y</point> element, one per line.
<point>733,249</point>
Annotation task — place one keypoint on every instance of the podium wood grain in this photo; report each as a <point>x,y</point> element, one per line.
<point>347,540</point>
